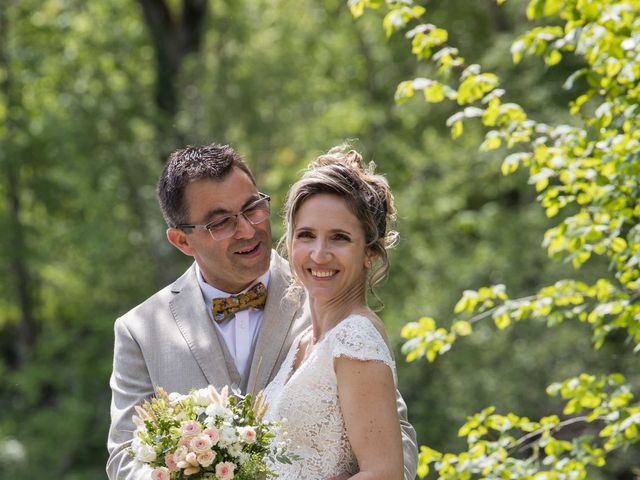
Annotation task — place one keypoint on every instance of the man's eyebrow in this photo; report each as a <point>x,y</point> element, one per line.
<point>216,212</point>
<point>223,211</point>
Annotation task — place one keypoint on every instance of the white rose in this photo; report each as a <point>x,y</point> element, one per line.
<point>143,453</point>
<point>217,410</point>
<point>175,396</point>
<point>201,397</point>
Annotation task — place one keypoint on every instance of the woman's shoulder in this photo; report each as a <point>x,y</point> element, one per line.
<point>358,337</point>
<point>365,322</point>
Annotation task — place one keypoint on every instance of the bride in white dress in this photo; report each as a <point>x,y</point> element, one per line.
<point>336,390</point>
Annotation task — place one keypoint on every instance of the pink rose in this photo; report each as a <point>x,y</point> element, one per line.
<point>247,434</point>
<point>190,428</point>
<point>192,459</point>
<point>160,473</point>
<point>201,443</point>
<point>213,434</point>
<point>224,470</point>
<point>180,454</point>
<point>170,462</point>
<point>206,458</point>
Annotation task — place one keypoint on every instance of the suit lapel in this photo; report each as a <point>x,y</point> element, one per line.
<point>189,311</point>
<point>278,318</point>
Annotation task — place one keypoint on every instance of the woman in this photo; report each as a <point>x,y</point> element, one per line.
<point>336,388</point>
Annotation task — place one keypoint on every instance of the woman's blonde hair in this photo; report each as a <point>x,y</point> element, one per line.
<point>342,172</point>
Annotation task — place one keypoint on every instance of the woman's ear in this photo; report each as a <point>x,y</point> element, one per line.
<point>370,258</point>
<point>179,239</point>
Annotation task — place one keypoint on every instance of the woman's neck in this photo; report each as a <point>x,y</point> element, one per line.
<point>327,314</point>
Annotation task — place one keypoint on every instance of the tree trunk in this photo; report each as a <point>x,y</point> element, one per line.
<point>9,159</point>
<point>174,37</point>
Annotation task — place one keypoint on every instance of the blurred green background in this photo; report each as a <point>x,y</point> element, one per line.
<point>95,94</point>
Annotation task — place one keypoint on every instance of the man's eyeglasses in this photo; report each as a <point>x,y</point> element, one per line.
<point>222,228</point>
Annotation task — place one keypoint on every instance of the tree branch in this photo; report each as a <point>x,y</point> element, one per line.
<point>522,441</point>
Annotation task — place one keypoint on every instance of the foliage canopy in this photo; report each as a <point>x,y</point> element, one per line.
<point>586,176</point>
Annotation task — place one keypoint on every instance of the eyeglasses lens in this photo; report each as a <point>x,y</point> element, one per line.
<point>255,213</point>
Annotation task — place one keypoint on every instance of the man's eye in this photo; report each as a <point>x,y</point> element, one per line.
<point>251,210</point>
<point>218,224</point>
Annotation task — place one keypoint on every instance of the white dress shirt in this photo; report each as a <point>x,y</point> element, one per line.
<point>240,330</point>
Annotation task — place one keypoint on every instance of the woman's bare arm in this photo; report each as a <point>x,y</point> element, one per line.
<point>367,396</point>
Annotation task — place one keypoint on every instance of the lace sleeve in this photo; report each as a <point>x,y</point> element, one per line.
<point>356,337</point>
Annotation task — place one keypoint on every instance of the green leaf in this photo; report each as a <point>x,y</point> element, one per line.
<point>404,92</point>
<point>434,93</point>
<point>618,244</point>
<point>492,141</point>
<point>553,58</point>
<point>457,129</point>
<point>462,328</point>
<point>502,321</point>
<point>356,7</point>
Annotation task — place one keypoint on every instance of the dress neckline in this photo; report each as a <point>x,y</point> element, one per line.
<point>295,347</point>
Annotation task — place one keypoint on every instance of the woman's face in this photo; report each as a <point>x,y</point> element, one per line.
<point>328,249</point>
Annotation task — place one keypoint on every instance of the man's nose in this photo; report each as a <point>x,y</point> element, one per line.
<point>244,228</point>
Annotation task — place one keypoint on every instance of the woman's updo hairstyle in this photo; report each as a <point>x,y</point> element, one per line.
<point>342,172</point>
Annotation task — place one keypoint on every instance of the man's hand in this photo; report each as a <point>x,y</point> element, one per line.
<point>344,476</point>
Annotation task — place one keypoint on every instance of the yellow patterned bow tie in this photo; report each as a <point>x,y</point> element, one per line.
<point>223,308</point>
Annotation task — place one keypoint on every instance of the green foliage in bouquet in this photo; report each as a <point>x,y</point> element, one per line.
<point>587,174</point>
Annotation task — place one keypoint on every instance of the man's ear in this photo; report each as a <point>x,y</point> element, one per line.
<point>179,239</point>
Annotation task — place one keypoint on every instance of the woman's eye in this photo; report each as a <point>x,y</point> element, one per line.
<point>341,236</point>
<point>304,234</point>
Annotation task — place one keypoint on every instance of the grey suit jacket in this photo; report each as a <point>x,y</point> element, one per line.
<point>169,341</point>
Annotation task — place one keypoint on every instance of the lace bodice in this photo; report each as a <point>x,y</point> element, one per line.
<point>306,400</point>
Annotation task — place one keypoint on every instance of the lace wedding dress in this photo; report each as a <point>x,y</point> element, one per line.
<point>306,400</point>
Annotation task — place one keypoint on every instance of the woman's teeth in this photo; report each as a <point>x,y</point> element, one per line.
<point>323,274</point>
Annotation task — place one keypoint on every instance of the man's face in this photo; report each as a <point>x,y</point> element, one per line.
<point>234,263</point>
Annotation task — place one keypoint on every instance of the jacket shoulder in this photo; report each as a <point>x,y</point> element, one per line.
<point>158,303</point>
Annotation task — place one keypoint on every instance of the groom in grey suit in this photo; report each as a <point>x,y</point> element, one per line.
<point>217,216</point>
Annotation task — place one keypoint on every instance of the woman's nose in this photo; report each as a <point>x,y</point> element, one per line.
<point>320,253</point>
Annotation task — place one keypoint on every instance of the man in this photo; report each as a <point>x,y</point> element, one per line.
<point>182,337</point>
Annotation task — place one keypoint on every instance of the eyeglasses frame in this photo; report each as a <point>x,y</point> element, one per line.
<point>206,226</point>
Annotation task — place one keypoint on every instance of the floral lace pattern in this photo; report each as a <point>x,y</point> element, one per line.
<point>306,400</point>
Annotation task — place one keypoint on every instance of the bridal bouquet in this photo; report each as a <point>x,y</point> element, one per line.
<point>206,435</point>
